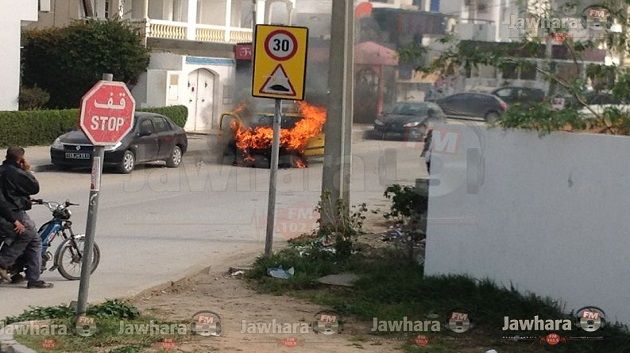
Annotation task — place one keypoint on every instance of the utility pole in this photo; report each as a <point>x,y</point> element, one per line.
<point>88,7</point>
<point>349,109</point>
<point>338,127</point>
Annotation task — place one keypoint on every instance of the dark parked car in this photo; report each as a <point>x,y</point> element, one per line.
<point>409,120</point>
<point>521,95</point>
<point>153,138</point>
<point>473,105</point>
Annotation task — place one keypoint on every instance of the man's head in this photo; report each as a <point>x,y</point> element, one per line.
<point>15,154</point>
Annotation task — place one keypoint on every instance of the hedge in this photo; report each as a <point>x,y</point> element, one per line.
<point>42,127</point>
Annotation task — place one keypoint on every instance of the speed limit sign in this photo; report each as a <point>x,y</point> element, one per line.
<point>280,62</point>
<point>281,45</point>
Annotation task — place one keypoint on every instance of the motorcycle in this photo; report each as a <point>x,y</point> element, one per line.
<point>68,255</point>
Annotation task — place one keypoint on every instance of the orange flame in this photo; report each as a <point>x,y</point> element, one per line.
<point>294,139</point>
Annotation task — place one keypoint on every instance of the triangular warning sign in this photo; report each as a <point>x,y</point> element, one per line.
<point>278,83</point>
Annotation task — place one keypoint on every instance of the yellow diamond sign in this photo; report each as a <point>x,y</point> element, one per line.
<point>280,62</point>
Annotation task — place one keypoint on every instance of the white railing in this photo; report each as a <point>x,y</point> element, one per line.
<point>210,33</point>
<point>166,29</point>
<point>151,28</point>
<point>241,35</point>
<point>223,34</point>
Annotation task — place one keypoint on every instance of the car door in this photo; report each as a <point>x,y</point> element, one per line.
<point>448,104</point>
<point>146,141</point>
<point>165,137</point>
<point>484,105</point>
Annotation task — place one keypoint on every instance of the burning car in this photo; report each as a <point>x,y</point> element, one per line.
<point>250,135</point>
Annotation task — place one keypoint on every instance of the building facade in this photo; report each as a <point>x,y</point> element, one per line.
<point>11,22</point>
<point>192,47</point>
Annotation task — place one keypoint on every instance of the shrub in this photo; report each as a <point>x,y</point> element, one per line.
<point>177,113</point>
<point>42,127</point>
<point>33,98</point>
<point>67,62</point>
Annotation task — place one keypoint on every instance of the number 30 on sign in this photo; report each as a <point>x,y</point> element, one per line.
<point>280,62</point>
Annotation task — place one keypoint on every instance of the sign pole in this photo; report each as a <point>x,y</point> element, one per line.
<point>273,177</point>
<point>90,229</point>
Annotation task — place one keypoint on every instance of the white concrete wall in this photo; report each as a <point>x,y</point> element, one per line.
<point>549,215</point>
<point>10,22</point>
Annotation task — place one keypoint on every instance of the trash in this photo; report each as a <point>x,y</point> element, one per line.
<point>393,234</point>
<point>281,273</point>
<point>236,271</point>
<point>317,246</point>
<point>492,351</point>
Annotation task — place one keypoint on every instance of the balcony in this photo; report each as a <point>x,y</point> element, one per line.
<point>163,29</point>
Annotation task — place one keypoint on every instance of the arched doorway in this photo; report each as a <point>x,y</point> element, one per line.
<point>201,85</point>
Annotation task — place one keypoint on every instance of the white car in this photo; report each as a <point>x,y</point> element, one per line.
<point>599,102</point>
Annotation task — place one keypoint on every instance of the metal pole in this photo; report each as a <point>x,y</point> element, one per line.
<point>90,229</point>
<point>349,105</point>
<point>334,129</point>
<point>273,176</point>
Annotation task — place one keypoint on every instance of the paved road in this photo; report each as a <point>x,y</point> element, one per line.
<point>159,224</point>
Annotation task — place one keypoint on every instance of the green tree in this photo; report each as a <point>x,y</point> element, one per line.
<point>67,61</point>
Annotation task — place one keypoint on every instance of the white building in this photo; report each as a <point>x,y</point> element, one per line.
<point>192,44</point>
<point>10,22</point>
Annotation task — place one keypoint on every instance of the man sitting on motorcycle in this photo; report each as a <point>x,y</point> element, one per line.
<point>17,184</point>
<point>10,229</point>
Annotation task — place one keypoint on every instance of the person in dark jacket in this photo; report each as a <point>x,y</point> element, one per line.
<point>17,184</point>
<point>10,229</point>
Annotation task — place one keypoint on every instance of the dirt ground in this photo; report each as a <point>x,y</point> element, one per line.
<point>217,291</point>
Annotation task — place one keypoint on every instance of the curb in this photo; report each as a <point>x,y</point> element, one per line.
<point>8,344</point>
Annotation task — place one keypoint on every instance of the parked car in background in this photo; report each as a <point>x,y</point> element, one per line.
<point>520,95</point>
<point>598,102</point>
<point>153,138</point>
<point>470,105</point>
<point>409,120</point>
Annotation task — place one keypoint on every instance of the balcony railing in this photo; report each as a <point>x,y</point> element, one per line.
<point>166,29</point>
<point>206,33</point>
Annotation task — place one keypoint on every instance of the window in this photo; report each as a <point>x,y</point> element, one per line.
<point>410,109</point>
<point>161,124</point>
<point>435,6</point>
<point>504,93</point>
<point>146,125</point>
<point>510,72</point>
<point>528,72</point>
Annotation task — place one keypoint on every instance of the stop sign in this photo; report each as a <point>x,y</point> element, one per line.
<point>107,113</point>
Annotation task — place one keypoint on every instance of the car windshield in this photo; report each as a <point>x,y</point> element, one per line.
<point>410,109</point>
<point>288,121</point>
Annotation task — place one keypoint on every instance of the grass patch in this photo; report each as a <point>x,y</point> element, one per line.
<point>119,328</point>
<point>391,288</point>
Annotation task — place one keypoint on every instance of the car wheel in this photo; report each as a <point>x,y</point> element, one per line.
<point>492,117</point>
<point>127,163</point>
<point>176,158</point>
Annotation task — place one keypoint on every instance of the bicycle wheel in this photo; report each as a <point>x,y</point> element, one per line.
<point>69,261</point>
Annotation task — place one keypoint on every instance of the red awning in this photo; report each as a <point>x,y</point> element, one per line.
<point>370,53</point>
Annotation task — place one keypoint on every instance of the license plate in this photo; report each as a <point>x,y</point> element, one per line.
<point>75,155</point>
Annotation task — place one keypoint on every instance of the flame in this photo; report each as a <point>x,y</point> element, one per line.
<point>294,139</point>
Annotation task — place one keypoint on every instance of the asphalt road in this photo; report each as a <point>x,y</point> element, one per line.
<point>159,224</point>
